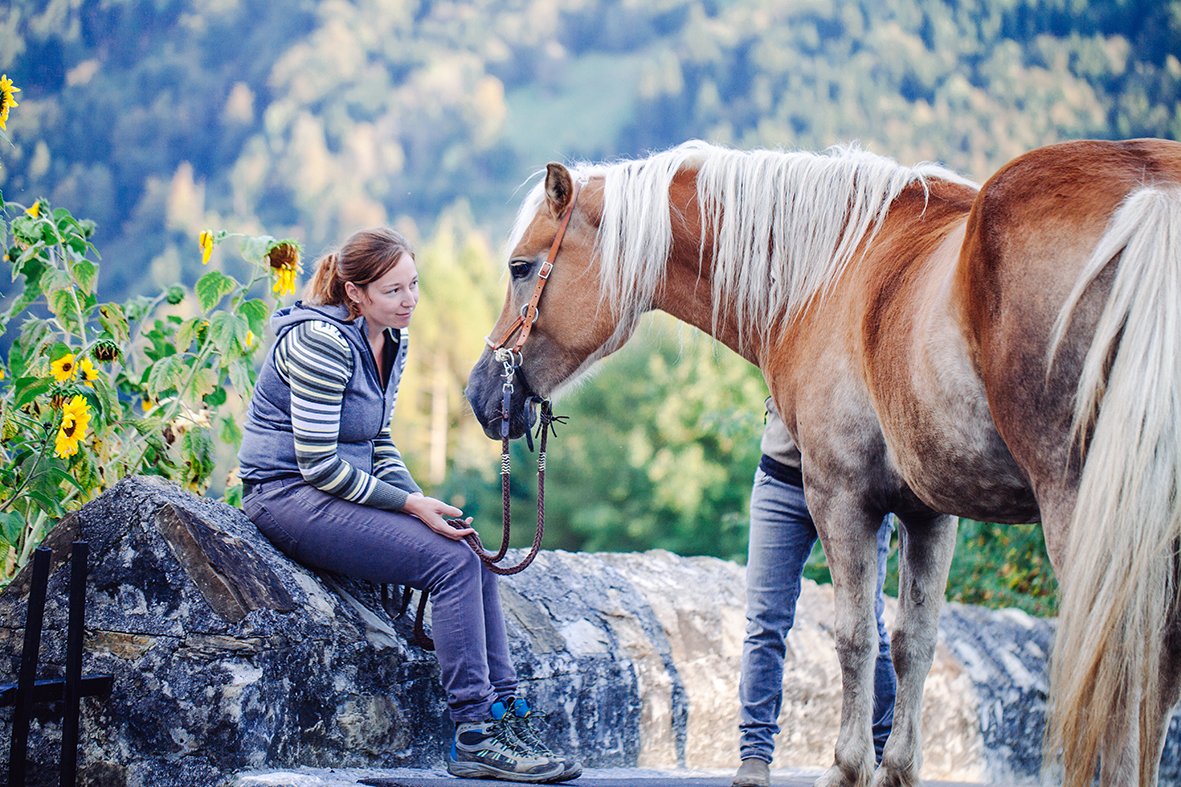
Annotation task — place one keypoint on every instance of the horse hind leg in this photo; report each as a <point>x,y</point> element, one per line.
<point>1158,713</point>
<point>927,543</point>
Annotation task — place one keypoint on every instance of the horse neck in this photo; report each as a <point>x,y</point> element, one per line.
<point>686,291</point>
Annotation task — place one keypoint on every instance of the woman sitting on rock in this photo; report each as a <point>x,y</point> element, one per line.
<point>324,482</point>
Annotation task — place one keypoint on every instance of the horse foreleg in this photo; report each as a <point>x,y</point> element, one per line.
<point>850,543</point>
<point>927,543</point>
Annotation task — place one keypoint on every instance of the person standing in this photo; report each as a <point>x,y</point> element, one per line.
<point>782,534</point>
<point>323,480</point>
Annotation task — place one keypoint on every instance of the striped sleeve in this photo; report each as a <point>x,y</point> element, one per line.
<point>388,464</point>
<point>315,360</point>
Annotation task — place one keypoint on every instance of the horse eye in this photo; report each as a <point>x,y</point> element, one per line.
<point>520,268</point>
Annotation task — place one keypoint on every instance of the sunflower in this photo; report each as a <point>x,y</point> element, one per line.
<point>7,100</point>
<point>34,210</point>
<point>75,422</point>
<point>89,373</point>
<point>206,241</point>
<point>283,257</point>
<point>63,368</point>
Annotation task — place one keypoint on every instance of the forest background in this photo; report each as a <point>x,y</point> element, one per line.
<point>309,119</point>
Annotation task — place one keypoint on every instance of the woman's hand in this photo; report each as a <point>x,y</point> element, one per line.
<point>433,513</point>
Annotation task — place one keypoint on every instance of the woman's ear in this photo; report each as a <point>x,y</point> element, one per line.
<point>352,292</point>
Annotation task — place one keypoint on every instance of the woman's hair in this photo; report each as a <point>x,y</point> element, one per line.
<point>365,257</point>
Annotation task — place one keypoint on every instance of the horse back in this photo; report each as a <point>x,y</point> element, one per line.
<point>1032,228</point>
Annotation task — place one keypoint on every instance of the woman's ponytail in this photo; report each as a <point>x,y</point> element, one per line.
<point>364,258</point>
<point>326,287</point>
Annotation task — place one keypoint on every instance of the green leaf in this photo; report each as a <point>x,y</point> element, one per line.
<point>230,433</point>
<point>255,311</point>
<point>254,250</point>
<point>212,287</point>
<point>197,451</point>
<point>12,525</point>
<point>165,375</point>
<point>29,388</point>
<point>47,501</point>
<point>227,331</point>
<point>86,471</point>
<point>217,397</point>
<point>233,496</point>
<point>114,321</point>
<point>64,305</point>
<point>187,332</point>
<point>85,273</point>
<point>62,477</point>
<point>242,377</point>
<point>200,383</point>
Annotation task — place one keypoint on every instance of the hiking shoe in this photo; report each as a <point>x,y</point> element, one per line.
<point>752,773</point>
<point>490,750</point>
<point>520,718</point>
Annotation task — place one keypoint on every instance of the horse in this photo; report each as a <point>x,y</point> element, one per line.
<point>1009,352</point>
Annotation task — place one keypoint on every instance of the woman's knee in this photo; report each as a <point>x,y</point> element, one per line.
<point>455,565</point>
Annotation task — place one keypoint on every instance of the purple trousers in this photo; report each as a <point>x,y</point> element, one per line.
<point>326,532</point>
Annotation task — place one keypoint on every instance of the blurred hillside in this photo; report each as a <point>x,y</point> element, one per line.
<point>306,119</point>
<point>159,117</point>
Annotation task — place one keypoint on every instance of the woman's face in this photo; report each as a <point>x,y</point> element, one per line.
<point>389,301</point>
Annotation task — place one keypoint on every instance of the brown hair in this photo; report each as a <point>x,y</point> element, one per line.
<point>364,258</point>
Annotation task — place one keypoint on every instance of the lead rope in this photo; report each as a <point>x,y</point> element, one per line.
<point>546,421</point>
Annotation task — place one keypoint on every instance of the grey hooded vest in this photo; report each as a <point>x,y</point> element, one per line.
<point>268,444</point>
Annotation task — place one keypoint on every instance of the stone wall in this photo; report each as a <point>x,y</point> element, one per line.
<point>227,656</point>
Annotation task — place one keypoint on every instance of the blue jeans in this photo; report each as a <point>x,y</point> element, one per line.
<point>781,537</point>
<point>329,533</point>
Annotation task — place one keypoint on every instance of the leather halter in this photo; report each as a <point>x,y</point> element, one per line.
<point>529,312</point>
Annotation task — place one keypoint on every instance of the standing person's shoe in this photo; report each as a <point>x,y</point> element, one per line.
<point>752,773</point>
<point>490,750</point>
<point>520,717</point>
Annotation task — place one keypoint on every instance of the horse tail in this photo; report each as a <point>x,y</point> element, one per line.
<point>1118,581</point>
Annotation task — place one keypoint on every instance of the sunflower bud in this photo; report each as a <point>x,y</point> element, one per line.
<point>175,294</point>
<point>106,350</point>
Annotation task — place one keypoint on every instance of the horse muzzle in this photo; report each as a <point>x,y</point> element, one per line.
<point>485,393</point>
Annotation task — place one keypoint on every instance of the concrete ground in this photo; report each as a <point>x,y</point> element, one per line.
<point>593,777</point>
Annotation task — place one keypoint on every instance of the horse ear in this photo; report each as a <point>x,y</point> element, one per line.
<point>558,187</point>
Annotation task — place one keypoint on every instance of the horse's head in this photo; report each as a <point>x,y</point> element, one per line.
<point>554,322</point>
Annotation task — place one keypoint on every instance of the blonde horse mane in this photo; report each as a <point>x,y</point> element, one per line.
<point>785,224</point>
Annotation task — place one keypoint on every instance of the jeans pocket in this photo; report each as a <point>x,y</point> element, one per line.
<point>283,539</point>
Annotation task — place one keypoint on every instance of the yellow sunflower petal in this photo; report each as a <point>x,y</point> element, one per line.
<point>34,210</point>
<point>7,99</point>
<point>205,239</point>
<point>89,373</point>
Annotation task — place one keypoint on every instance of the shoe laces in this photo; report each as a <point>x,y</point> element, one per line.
<point>522,727</point>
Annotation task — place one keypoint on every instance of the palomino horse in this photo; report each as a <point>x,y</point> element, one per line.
<point>1009,354</point>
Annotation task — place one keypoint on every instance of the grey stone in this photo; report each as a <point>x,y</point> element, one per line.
<point>229,658</point>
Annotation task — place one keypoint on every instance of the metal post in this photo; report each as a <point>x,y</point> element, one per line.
<point>73,687</point>
<point>28,668</point>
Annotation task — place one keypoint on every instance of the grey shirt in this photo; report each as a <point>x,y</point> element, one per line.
<point>777,441</point>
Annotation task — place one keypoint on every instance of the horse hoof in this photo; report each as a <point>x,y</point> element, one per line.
<point>889,777</point>
<point>838,777</point>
